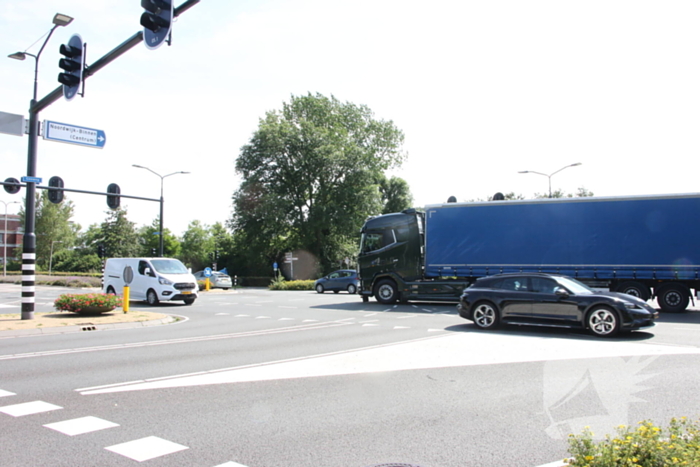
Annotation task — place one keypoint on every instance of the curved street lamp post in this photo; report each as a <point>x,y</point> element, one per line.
<point>550,175</point>
<point>29,238</point>
<point>160,243</point>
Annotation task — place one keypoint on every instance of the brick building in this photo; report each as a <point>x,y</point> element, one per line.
<point>10,236</point>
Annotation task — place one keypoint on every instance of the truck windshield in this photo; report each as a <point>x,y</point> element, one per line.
<point>169,266</point>
<point>372,241</point>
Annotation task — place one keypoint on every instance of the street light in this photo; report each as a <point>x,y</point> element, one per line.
<point>160,244</point>
<point>29,238</point>
<point>550,175</point>
<point>4,239</point>
<point>51,254</point>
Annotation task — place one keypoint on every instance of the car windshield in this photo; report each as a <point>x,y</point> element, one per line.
<point>169,266</point>
<point>575,286</point>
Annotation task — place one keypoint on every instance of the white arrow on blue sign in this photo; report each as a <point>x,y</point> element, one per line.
<point>73,134</point>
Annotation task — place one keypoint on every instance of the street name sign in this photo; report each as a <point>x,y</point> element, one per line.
<point>73,134</point>
<point>31,179</point>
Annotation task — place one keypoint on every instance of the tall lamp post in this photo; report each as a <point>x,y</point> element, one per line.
<point>160,243</point>
<point>29,238</point>
<point>550,175</point>
<point>4,239</point>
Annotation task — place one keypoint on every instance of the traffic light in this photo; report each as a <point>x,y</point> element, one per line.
<point>153,252</point>
<point>56,196</point>
<point>101,250</point>
<point>73,64</point>
<point>114,198</point>
<point>13,187</point>
<point>156,21</point>
<point>216,254</point>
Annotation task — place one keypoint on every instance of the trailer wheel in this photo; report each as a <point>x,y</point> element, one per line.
<point>636,289</point>
<point>386,292</point>
<point>603,322</point>
<point>485,315</point>
<point>673,298</point>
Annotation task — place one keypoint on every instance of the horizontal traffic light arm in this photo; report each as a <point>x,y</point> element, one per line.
<point>125,46</point>
<point>83,191</point>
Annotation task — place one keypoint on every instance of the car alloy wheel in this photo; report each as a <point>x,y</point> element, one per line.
<point>603,322</point>
<point>485,315</point>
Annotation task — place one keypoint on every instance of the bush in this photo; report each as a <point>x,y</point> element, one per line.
<point>281,284</point>
<point>79,302</point>
<point>645,446</point>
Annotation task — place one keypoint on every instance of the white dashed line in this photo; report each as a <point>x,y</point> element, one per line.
<point>28,408</point>
<point>79,426</point>
<point>146,448</point>
<point>6,393</point>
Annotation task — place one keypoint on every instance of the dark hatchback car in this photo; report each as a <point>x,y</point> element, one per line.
<point>552,300</point>
<point>345,279</point>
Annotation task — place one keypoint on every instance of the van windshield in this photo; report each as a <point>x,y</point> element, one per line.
<point>169,266</point>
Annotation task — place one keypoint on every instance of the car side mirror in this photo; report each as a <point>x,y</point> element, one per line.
<point>561,292</point>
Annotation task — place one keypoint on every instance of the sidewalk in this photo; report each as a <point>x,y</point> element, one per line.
<point>11,325</point>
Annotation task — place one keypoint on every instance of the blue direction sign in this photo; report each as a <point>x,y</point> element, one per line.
<point>207,272</point>
<point>31,179</point>
<point>73,134</point>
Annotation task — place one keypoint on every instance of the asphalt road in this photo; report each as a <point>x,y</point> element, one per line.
<point>296,379</point>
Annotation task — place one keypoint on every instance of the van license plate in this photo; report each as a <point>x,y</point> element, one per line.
<point>186,293</point>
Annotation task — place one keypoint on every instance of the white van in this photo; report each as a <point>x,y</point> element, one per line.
<point>154,279</point>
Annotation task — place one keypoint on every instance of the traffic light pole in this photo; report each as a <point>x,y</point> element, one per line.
<point>29,237</point>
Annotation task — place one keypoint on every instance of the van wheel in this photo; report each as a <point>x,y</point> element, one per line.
<point>152,297</point>
<point>111,291</point>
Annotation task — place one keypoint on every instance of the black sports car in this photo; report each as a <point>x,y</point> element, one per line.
<point>551,300</point>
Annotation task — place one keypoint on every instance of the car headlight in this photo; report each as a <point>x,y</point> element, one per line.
<point>630,305</point>
<point>164,281</point>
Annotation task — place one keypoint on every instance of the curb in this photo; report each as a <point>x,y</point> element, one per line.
<point>97,327</point>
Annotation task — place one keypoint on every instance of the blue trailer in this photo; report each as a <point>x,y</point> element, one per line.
<point>642,245</point>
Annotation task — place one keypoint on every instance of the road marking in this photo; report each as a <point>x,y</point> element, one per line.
<point>263,317</point>
<point>221,314</point>
<point>146,448</point>
<point>301,327</point>
<point>4,393</point>
<point>79,426</point>
<point>230,464</point>
<point>402,327</point>
<point>28,408</point>
<point>439,351</point>
<point>286,319</point>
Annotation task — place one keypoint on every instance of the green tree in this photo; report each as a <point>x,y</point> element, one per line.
<point>396,194</point>
<point>53,228</point>
<point>119,236</point>
<point>581,192</point>
<point>149,239</point>
<point>310,177</point>
<point>197,243</point>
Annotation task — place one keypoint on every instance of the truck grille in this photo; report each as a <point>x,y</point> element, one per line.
<point>184,285</point>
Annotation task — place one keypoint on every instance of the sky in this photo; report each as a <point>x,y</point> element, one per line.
<point>481,89</point>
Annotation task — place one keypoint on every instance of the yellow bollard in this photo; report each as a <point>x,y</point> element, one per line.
<point>125,299</point>
<point>206,284</point>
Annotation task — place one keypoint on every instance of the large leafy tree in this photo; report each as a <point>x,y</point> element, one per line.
<point>53,228</point>
<point>119,236</point>
<point>310,178</point>
<point>197,243</point>
<point>150,241</point>
<point>396,194</point>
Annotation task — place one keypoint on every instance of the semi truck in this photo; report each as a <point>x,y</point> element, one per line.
<point>645,246</point>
